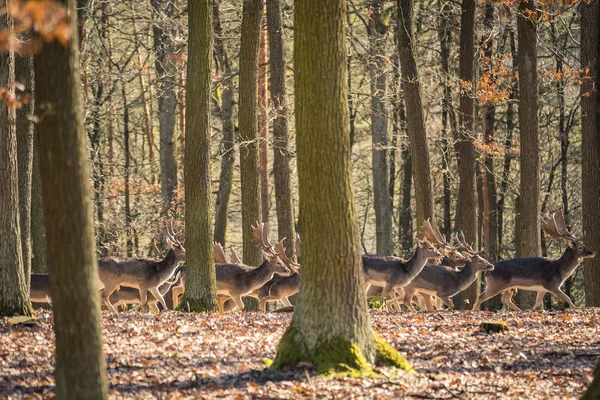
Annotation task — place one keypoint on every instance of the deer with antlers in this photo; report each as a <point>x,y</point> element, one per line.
<point>144,275</point>
<point>392,273</point>
<point>443,281</point>
<point>237,280</point>
<point>537,274</point>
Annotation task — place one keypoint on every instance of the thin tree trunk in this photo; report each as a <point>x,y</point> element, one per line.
<point>281,153</point>
<point>464,146</point>
<point>377,31</point>
<point>39,263</point>
<point>127,173</point>
<point>490,200</point>
<point>24,133</point>
<point>263,125</point>
<point>167,100</point>
<point>200,283</point>
<point>227,149</point>
<point>508,152</point>
<point>14,299</point>
<point>405,212</point>
<point>248,121</point>
<point>414,114</point>
<point>590,126</point>
<point>80,367</point>
<point>330,327</point>
<point>529,138</point>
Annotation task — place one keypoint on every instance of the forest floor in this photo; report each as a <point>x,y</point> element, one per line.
<point>175,355</point>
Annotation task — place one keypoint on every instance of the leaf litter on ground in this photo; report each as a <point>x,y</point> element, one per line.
<point>174,355</point>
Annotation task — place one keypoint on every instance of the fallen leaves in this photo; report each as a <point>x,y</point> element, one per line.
<point>179,356</point>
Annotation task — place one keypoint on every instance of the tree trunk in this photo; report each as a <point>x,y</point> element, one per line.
<point>414,114</point>
<point>14,299</point>
<point>465,153</point>
<point>508,140</point>
<point>281,153</point>
<point>529,138</point>
<point>377,31</point>
<point>80,370</point>
<point>590,126</point>
<point>39,263</point>
<point>24,132</point>
<point>263,126</point>
<point>330,327</point>
<point>127,172</point>
<point>445,37</point>
<point>248,120</point>
<point>166,73</point>
<point>490,200</point>
<point>405,210</point>
<point>227,149</point>
<point>200,283</point>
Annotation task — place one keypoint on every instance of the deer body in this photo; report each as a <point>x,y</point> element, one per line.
<point>445,282</point>
<point>278,288</point>
<point>393,272</point>
<point>128,295</point>
<point>237,280</point>
<point>144,275</point>
<point>536,274</point>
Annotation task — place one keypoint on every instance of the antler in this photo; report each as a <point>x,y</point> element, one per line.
<point>260,235</point>
<point>554,225</point>
<point>171,234</point>
<point>160,253</point>
<point>233,256</point>
<point>298,248</point>
<point>463,245</point>
<point>433,235</point>
<point>219,253</point>
<point>280,250</point>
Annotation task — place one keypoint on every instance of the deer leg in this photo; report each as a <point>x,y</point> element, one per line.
<point>507,299</point>
<point>487,294</point>
<point>175,293</point>
<point>539,300</point>
<point>428,304</point>
<point>143,299</point>
<point>409,293</point>
<point>447,301</point>
<point>159,297</point>
<point>262,305</point>
<point>154,308</point>
<point>286,302</point>
<point>108,290</point>
<point>221,303</point>
<point>238,302</point>
<point>562,295</point>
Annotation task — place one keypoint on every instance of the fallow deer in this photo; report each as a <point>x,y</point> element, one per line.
<point>537,274</point>
<point>145,275</point>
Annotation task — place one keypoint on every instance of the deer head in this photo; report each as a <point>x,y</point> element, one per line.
<point>554,225</point>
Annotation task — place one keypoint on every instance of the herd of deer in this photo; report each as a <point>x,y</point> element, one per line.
<point>428,285</point>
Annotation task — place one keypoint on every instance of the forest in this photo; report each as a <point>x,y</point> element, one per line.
<point>299,199</point>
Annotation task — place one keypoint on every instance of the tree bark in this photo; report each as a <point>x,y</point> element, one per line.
<point>490,200</point>
<point>39,263</point>
<point>590,126</point>
<point>465,153</point>
<point>200,283</point>
<point>377,31</point>
<point>227,149</point>
<point>281,152</point>
<point>414,114</point>
<point>166,73</point>
<point>330,327</point>
<point>24,132</point>
<point>529,137</point>
<point>14,299</point>
<point>263,125</point>
<point>248,123</point>
<point>80,371</point>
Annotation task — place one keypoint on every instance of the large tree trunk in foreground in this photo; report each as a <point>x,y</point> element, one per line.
<point>227,150</point>
<point>80,371</point>
<point>330,327</point>
<point>25,128</point>
<point>200,283</point>
<point>167,100</point>
<point>377,30</point>
<point>248,122</point>
<point>14,299</point>
<point>590,126</point>
<point>414,114</point>
<point>465,152</point>
<point>281,152</point>
<point>528,122</point>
